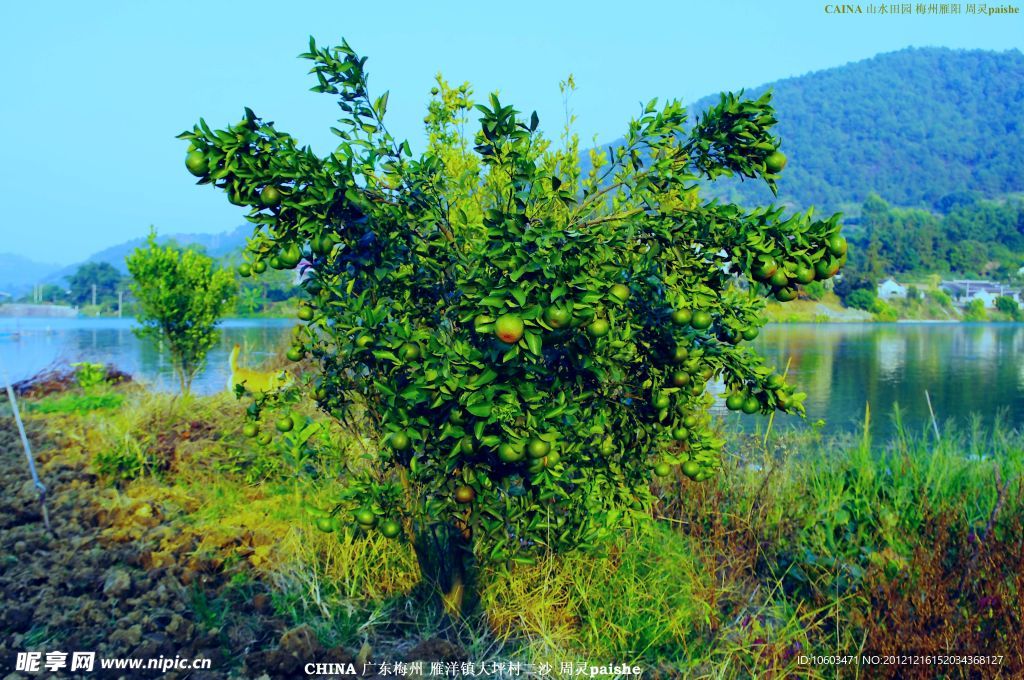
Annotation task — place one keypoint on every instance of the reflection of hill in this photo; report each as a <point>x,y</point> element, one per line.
<point>810,351</point>
<point>966,369</point>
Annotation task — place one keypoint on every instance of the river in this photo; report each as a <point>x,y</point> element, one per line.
<point>967,369</point>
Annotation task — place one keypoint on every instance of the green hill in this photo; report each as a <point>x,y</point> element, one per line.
<point>912,126</point>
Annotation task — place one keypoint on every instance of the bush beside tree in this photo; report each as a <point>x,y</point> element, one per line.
<point>180,297</point>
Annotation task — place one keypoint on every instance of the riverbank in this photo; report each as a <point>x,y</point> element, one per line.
<point>168,513</point>
<point>16,310</point>
<point>826,310</point>
<point>829,309</point>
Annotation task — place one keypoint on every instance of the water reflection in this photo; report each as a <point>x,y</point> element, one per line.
<point>30,345</point>
<point>966,368</point>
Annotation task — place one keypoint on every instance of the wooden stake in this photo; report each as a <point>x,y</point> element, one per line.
<point>40,487</point>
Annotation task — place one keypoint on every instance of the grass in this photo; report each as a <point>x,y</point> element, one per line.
<point>805,310</point>
<point>76,403</point>
<point>803,545</point>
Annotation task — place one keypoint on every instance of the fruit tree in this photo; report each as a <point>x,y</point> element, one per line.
<point>530,341</point>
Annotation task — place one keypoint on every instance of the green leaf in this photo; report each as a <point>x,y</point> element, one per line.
<point>482,410</point>
<point>534,342</point>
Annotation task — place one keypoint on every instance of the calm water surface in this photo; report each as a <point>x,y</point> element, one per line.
<point>28,345</point>
<point>966,368</point>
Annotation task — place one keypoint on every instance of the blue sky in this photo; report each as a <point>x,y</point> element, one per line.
<point>94,93</point>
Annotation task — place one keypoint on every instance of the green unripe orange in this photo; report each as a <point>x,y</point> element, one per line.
<point>409,351</point>
<point>557,317</point>
<point>803,274</point>
<point>509,328</point>
<point>775,162</point>
<point>786,294</point>
<point>399,441</point>
<point>196,163</point>
<point>779,279</point>
<point>538,448</point>
<point>284,424</point>
<point>598,329</point>
<point>681,317</point>
<point>680,354</point>
<point>765,268</point>
<point>291,256</point>
<point>270,196</point>
<point>837,245</point>
<point>620,291</point>
<point>691,469</point>
<point>509,454</point>
<point>365,517</point>
<point>734,402</point>
<point>390,528</point>
<point>825,268</point>
<point>701,320</point>
<point>464,494</point>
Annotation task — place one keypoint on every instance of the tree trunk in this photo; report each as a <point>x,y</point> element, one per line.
<point>448,569</point>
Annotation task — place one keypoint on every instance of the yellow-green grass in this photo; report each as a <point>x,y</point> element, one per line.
<point>780,555</point>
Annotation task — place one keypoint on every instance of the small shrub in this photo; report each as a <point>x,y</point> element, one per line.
<point>975,311</point>
<point>1008,306</point>
<point>89,375</point>
<point>181,297</point>
<point>815,290</point>
<point>883,311</point>
<point>941,297</point>
<point>122,463</point>
<point>862,298</point>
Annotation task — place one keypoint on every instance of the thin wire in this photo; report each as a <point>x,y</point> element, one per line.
<point>40,487</point>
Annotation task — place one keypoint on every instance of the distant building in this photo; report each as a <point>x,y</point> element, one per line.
<point>964,291</point>
<point>889,289</point>
<point>987,298</point>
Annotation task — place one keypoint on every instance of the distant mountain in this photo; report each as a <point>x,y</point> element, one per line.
<point>913,126</point>
<point>18,274</point>
<point>215,245</point>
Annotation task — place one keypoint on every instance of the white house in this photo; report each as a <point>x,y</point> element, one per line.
<point>889,289</point>
<point>987,297</point>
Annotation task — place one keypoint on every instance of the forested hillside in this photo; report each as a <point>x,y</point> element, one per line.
<point>971,237</point>
<point>913,126</point>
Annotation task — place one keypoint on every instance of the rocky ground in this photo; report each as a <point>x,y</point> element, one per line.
<point>105,581</point>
